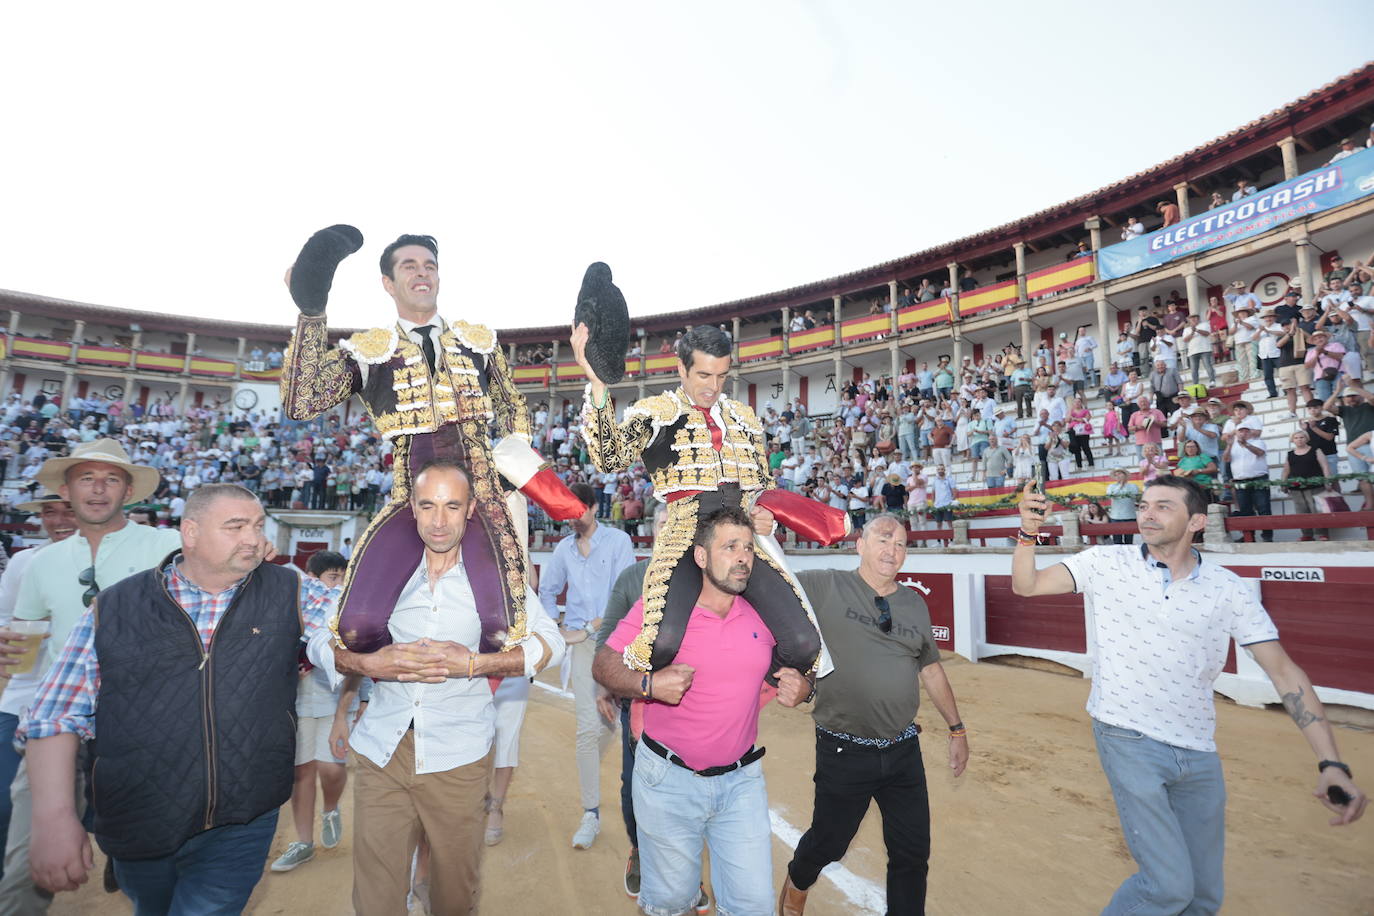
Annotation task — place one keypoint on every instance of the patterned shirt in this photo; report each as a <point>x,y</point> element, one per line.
<point>67,696</point>
<point>1159,644</point>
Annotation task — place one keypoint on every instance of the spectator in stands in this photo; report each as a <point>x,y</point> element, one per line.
<point>1249,459</point>
<point>1245,340</point>
<point>1323,360</point>
<point>1024,459</point>
<point>916,484</point>
<point>1243,189</point>
<point>941,436</point>
<point>1113,382</point>
<point>1354,405</point>
<point>1123,496</point>
<point>1166,384</point>
<point>1057,455</point>
<point>1220,327</point>
<point>1147,325</point>
<point>1020,381</point>
<point>1169,211</point>
<point>926,291</point>
<point>945,496</point>
<point>1040,437</point>
<point>1085,349</point>
<point>1164,348</point>
<point>1133,228</point>
<point>1197,338</point>
<point>996,460</point>
<point>1347,149</point>
<point>1083,251</point>
<point>1146,424</point>
<point>1080,432</point>
<point>1152,463</point>
<point>1196,465</point>
<point>1218,200</point>
<point>1301,470</point>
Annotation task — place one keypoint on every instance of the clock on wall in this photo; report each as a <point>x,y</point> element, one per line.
<point>246,399</point>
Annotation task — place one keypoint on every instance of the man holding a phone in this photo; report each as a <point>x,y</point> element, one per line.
<point>1164,617</point>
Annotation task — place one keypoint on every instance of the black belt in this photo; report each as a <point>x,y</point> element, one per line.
<point>1246,479</point>
<point>754,753</point>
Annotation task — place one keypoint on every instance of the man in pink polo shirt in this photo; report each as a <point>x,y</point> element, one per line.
<point>697,775</point>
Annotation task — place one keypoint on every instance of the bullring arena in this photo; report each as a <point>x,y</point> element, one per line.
<point>1030,828</point>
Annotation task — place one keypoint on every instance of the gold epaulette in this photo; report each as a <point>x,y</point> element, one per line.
<point>372,347</point>
<point>659,409</point>
<point>476,337</point>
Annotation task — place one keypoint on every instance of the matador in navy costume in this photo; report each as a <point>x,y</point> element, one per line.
<point>449,395</point>
<point>702,450</point>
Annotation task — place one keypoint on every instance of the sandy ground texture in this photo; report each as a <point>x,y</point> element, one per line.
<point>1029,829</point>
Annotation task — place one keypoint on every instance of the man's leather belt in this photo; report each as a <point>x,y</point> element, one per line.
<point>754,753</point>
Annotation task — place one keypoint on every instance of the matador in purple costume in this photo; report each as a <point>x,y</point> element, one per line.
<point>435,389</point>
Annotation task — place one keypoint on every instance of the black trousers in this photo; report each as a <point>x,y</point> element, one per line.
<point>848,777</point>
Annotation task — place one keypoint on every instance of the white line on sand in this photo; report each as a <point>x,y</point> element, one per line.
<point>861,893</point>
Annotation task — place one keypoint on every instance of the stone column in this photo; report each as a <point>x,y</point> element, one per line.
<point>892,303</point>
<point>134,346</point>
<point>786,330</point>
<point>238,363</point>
<point>896,365</point>
<point>78,335</point>
<point>1309,272</point>
<point>954,287</point>
<point>1181,192</point>
<point>190,349</point>
<point>68,387</point>
<point>957,357</point>
<point>839,379</point>
<point>837,303</point>
<point>643,358</point>
<point>1094,226</point>
<point>1192,288</point>
<point>1020,249</point>
<point>14,322</point>
<point>786,396</point>
<point>1105,339</point>
<point>182,397</point>
<point>553,379</point>
<point>1027,343</point>
<point>734,356</point>
<point>1288,147</point>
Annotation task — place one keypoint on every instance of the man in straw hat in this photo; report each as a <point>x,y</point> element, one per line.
<point>58,522</point>
<point>98,480</point>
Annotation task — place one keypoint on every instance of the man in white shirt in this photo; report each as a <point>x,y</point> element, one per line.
<point>1197,337</point>
<point>1249,460</point>
<point>1164,617</point>
<point>1360,309</point>
<point>424,745</point>
<point>1243,332</point>
<point>1133,229</point>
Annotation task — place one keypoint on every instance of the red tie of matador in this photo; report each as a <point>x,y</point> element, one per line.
<point>717,437</point>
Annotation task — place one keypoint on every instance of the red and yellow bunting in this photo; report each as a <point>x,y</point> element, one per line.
<point>987,297</point>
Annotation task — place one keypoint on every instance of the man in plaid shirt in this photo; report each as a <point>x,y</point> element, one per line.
<point>153,694</point>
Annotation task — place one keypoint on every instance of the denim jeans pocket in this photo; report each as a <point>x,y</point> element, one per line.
<point>650,768</point>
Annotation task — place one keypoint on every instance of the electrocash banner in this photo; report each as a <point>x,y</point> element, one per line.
<point>1321,189</point>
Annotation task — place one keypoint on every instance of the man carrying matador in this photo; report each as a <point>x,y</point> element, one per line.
<point>702,451</point>
<point>435,389</point>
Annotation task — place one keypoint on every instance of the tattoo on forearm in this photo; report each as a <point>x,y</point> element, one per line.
<point>1298,710</point>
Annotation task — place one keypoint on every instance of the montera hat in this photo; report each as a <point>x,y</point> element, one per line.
<point>54,470</point>
<point>601,307</point>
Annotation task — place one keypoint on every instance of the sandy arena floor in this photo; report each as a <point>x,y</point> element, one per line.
<point>1029,829</point>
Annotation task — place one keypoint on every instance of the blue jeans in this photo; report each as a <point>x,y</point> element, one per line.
<point>213,873</point>
<point>994,482</point>
<point>676,810</point>
<point>9,765</point>
<point>1172,805</point>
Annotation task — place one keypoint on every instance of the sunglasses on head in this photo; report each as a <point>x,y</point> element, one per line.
<point>884,613</point>
<point>87,578</point>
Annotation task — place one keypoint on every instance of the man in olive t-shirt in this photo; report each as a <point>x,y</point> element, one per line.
<point>879,635</point>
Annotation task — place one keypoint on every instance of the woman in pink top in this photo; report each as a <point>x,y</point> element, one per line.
<point>1216,318</point>
<point>1080,432</point>
<point>1153,463</point>
<point>916,498</point>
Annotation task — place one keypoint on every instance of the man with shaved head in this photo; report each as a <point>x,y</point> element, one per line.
<point>867,747</point>
<point>181,680</point>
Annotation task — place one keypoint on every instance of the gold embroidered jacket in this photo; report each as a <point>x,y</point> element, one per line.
<point>388,370</point>
<point>674,442</point>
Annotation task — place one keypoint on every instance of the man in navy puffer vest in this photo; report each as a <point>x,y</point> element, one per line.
<point>184,677</point>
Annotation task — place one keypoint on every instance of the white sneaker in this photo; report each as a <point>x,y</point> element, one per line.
<point>587,830</point>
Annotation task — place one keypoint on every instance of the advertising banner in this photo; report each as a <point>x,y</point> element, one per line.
<point>1320,189</point>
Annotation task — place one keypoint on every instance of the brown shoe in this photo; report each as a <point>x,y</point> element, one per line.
<point>792,901</point>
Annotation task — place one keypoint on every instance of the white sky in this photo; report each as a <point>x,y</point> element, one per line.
<point>174,157</point>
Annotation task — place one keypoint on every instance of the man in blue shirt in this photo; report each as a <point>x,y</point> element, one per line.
<point>588,564</point>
